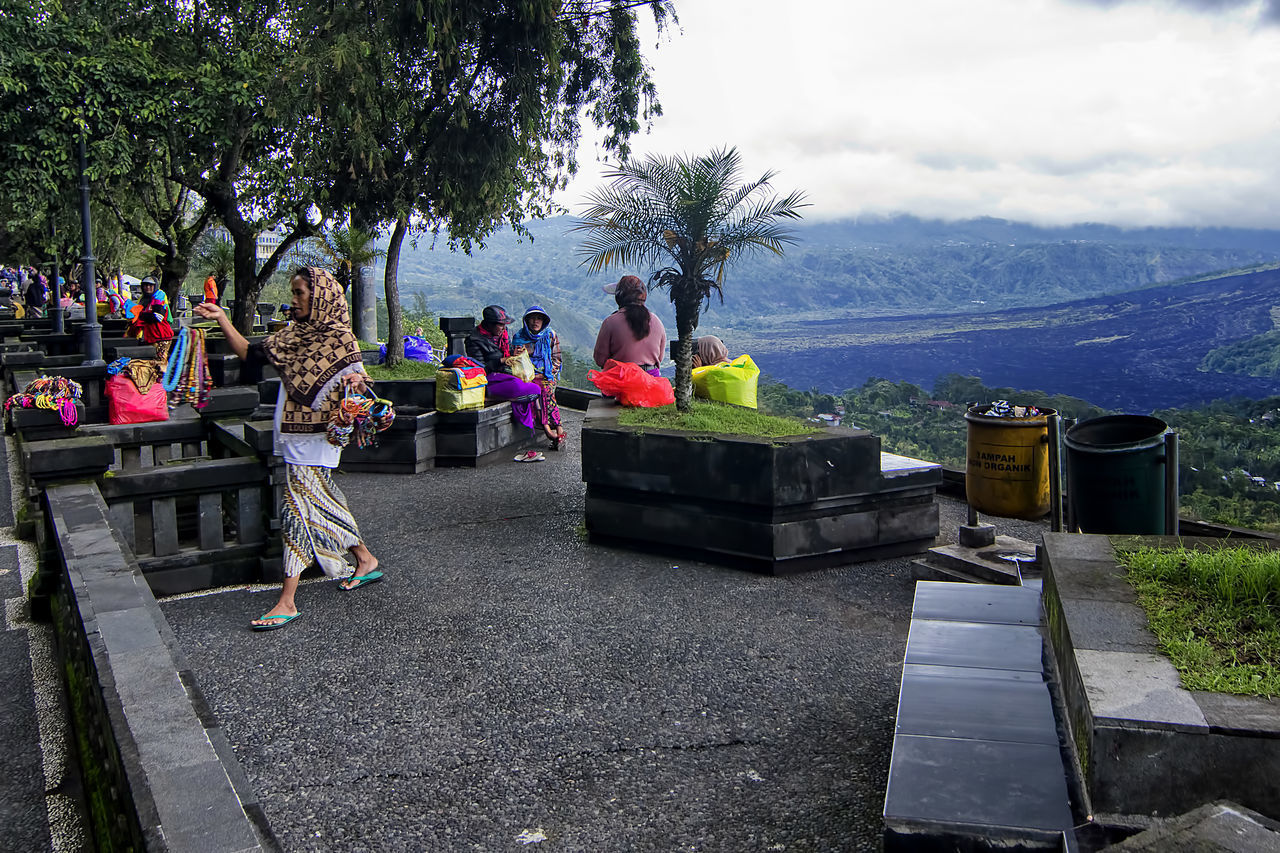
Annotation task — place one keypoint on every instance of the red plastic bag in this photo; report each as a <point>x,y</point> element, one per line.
<point>631,385</point>
<point>127,405</point>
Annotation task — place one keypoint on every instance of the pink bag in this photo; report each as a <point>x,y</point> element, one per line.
<point>127,405</point>
<point>632,385</point>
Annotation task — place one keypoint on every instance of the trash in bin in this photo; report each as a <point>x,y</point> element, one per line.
<point>1007,470</point>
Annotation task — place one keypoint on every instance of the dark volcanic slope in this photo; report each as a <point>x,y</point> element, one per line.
<point>1137,350</point>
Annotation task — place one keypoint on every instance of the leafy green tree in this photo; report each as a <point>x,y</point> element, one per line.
<point>163,216</point>
<point>694,215</point>
<point>450,118</point>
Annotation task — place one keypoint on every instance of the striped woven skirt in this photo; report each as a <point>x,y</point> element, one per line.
<point>315,523</point>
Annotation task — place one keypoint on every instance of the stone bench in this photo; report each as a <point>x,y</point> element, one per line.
<point>422,437</point>
<point>977,761</point>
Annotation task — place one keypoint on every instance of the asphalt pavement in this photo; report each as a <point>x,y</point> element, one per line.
<point>510,686</point>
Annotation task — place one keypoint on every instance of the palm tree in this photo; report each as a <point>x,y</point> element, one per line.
<point>215,255</point>
<point>693,215</point>
<point>344,251</point>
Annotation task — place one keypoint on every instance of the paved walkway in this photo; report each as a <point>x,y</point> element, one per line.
<point>39,807</point>
<point>510,684</point>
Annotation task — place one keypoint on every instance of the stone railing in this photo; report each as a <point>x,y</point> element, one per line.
<point>195,501</point>
<point>159,775</point>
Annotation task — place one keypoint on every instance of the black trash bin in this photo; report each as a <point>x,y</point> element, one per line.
<point>1116,474</point>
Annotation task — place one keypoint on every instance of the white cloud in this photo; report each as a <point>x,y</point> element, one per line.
<point>1043,110</point>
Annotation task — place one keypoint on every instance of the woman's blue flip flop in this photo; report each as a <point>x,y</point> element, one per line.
<point>361,580</point>
<point>273,622</point>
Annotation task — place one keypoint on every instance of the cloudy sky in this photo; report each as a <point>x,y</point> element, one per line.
<point>1049,111</point>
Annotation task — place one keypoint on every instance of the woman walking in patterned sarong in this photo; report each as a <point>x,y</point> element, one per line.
<point>318,358</point>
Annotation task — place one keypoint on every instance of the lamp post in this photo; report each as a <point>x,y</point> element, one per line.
<point>55,291</point>
<point>92,330</point>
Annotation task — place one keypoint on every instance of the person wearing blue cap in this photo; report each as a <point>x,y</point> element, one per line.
<point>539,340</point>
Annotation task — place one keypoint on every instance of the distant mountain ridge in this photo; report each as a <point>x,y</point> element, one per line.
<point>1139,351</point>
<point>857,268</point>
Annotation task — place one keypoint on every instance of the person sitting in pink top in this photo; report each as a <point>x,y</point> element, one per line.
<point>632,333</point>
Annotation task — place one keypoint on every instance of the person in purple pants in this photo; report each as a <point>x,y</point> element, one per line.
<point>489,344</point>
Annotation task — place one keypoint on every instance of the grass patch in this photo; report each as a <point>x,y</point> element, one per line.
<point>406,369</point>
<point>1215,613</point>
<point>707,416</point>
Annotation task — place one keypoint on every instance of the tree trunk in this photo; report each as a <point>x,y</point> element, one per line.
<point>246,281</point>
<point>173,272</point>
<point>391,282</point>
<point>686,323</point>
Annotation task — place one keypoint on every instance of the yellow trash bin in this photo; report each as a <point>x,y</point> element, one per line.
<point>1008,464</point>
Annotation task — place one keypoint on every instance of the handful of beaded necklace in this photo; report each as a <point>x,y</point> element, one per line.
<point>56,393</point>
<point>359,418</point>
<point>187,373</point>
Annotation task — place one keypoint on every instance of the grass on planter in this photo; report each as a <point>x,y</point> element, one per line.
<point>706,416</point>
<point>1216,614</point>
<point>407,369</point>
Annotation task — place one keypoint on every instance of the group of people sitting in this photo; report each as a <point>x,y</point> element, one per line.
<point>632,333</point>
<point>491,345</point>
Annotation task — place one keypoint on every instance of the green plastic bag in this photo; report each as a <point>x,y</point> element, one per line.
<point>732,382</point>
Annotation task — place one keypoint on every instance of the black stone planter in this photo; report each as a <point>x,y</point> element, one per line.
<point>771,505</point>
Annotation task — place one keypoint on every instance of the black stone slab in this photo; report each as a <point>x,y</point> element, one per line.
<point>1018,786</point>
<point>977,708</point>
<point>1221,827</point>
<point>963,602</point>
<point>1240,714</point>
<point>576,398</point>
<point>1114,626</point>
<point>944,643</point>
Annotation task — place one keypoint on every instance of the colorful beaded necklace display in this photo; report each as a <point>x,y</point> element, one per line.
<point>56,393</point>
<point>187,372</point>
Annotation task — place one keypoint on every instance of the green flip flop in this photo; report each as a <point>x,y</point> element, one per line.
<point>275,622</point>
<point>361,580</point>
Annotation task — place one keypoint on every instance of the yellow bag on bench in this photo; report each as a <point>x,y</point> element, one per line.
<point>454,399</point>
<point>728,382</point>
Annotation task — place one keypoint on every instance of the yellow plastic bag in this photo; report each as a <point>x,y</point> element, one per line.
<point>732,382</point>
<point>521,366</point>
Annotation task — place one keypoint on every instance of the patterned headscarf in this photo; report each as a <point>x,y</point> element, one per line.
<point>710,350</point>
<point>539,345</point>
<point>313,354</point>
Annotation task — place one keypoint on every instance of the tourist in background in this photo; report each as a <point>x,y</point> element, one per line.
<point>539,340</point>
<point>37,295</point>
<point>708,350</point>
<point>318,358</point>
<point>211,290</point>
<point>632,333</point>
<point>490,344</point>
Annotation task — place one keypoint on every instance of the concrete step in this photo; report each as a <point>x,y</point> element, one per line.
<point>923,570</point>
<point>987,563</point>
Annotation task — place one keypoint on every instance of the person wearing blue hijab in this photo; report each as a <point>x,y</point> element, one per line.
<point>539,340</point>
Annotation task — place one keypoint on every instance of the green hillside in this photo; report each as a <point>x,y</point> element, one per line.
<point>841,270</point>
<point>1257,356</point>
